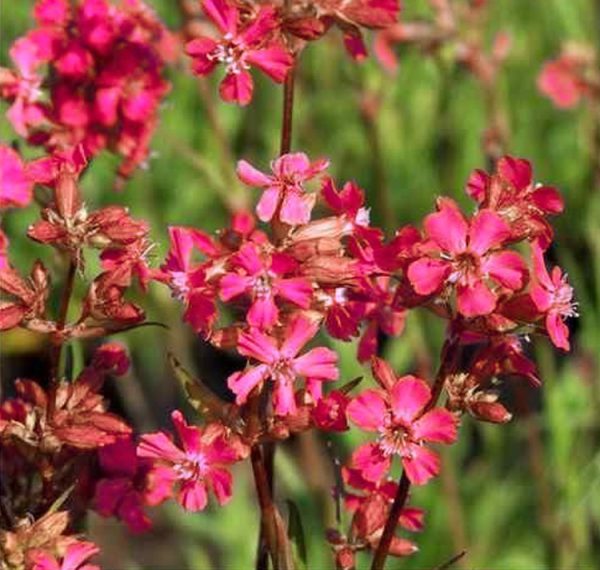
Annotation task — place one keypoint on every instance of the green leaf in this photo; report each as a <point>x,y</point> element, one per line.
<point>296,536</point>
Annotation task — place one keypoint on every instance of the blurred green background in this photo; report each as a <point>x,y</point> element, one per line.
<point>525,496</point>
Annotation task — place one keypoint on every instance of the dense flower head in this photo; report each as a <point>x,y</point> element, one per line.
<point>190,470</point>
<point>398,413</point>
<point>106,62</point>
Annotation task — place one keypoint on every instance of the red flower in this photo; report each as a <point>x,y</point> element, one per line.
<point>242,46</point>
<point>195,467</point>
<point>281,364</point>
<point>284,195</point>
<point>467,255</point>
<point>262,278</point>
<point>396,414</point>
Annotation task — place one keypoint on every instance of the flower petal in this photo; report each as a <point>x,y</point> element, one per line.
<point>368,410</point>
<point>488,230</point>
<point>428,275</point>
<point>421,464</point>
<point>475,299</point>
<point>448,228</point>
<point>408,397</point>
<point>438,425</point>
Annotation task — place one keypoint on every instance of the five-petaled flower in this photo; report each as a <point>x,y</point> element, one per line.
<point>261,276</point>
<point>398,414</point>
<point>468,255</point>
<point>189,471</point>
<point>242,45</point>
<point>281,364</point>
<point>284,196</point>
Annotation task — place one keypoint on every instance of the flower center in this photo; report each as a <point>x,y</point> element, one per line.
<point>231,54</point>
<point>261,286</point>
<point>393,438</point>
<point>195,467</point>
<point>180,285</point>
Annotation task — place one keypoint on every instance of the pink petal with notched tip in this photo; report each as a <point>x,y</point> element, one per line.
<point>369,459</point>
<point>516,170</point>
<point>190,436</point>
<point>242,383</point>
<point>507,268</point>
<point>263,313</point>
<point>296,208</point>
<point>274,61</point>
<point>192,496</point>
<point>159,446</point>
<point>475,299</point>
<point>223,14</point>
<point>368,410</point>
<point>488,230</point>
<point>233,285</point>
<point>408,396</point>
<point>222,485</point>
<point>477,185</point>
<point>283,399</point>
<point>251,176</point>
<point>448,228</point>
<point>300,331</point>
<point>428,275</point>
<point>557,330</point>
<point>421,465</point>
<point>296,289</point>
<point>200,49</point>
<point>259,346</point>
<point>268,204</point>
<point>437,425</point>
<point>237,88</point>
<point>249,259</point>
<point>318,363</point>
<point>548,199</point>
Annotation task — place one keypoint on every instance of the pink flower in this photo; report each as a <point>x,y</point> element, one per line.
<point>281,364</point>
<point>284,195</point>
<point>261,277</point>
<point>242,46</point>
<point>466,254</point>
<point>188,280</point>
<point>553,297</point>
<point>194,468</point>
<point>121,492</point>
<point>15,185</point>
<point>512,193</point>
<point>396,414</point>
<point>561,81</point>
<point>329,414</point>
<point>75,558</point>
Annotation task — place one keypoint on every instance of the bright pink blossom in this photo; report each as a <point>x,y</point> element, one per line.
<point>553,297</point>
<point>284,196</point>
<point>121,491</point>
<point>188,471</point>
<point>261,277</point>
<point>281,364</point>
<point>242,46</point>
<point>15,184</point>
<point>397,415</point>
<point>468,255</point>
<point>76,557</point>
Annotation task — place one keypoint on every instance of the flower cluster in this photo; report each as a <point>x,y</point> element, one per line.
<point>268,36</point>
<point>267,292</point>
<point>90,73</point>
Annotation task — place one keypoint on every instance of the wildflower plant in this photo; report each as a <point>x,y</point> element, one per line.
<point>307,265</point>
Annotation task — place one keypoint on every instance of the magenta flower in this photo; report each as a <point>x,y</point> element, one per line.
<point>396,415</point>
<point>16,186</point>
<point>121,491</point>
<point>76,557</point>
<point>467,255</point>
<point>261,277</point>
<point>284,188</point>
<point>553,297</point>
<point>280,363</point>
<point>191,470</point>
<point>187,279</point>
<point>242,46</point>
